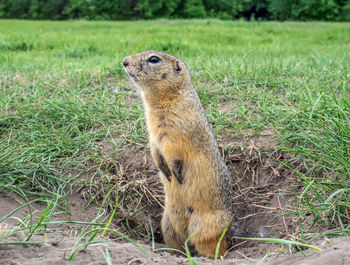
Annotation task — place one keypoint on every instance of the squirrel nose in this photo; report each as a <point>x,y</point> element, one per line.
<point>125,62</point>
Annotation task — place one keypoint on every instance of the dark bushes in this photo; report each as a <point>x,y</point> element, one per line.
<point>331,10</point>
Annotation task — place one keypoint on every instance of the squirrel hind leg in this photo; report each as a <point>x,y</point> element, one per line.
<point>170,237</point>
<point>208,229</point>
<point>207,247</point>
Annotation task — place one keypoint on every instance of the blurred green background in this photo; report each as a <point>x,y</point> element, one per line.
<point>330,10</point>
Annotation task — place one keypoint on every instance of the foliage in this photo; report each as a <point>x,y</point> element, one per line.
<point>157,8</point>
<point>90,9</point>
<point>251,9</point>
<point>332,10</point>
<point>52,9</point>
<point>221,8</point>
<point>315,9</point>
<point>308,10</point>
<point>15,9</point>
<point>193,9</point>
<point>345,13</point>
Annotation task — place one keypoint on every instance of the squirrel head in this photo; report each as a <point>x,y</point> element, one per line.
<point>157,74</point>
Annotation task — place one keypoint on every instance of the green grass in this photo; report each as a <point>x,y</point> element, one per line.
<point>58,100</point>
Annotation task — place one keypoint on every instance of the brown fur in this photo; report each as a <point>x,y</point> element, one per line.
<point>196,181</point>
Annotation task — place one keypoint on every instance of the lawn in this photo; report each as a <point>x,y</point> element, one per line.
<point>64,97</point>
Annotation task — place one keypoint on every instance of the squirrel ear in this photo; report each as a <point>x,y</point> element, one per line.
<point>177,68</point>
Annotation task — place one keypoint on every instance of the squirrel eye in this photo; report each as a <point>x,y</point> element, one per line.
<point>154,59</point>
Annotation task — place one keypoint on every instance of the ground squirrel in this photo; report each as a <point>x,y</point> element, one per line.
<point>197,184</point>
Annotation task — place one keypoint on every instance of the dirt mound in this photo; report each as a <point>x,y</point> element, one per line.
<point>263,186</point>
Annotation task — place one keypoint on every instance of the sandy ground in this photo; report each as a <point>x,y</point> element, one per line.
<point>57,249</point>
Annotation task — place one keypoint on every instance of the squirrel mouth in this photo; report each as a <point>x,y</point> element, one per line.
<point>131,75</point>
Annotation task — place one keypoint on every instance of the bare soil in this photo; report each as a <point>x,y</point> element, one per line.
<point>58,246</point>
<point>264,186</point>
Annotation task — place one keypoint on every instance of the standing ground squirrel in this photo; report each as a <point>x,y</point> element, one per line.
<point>197,184</point>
